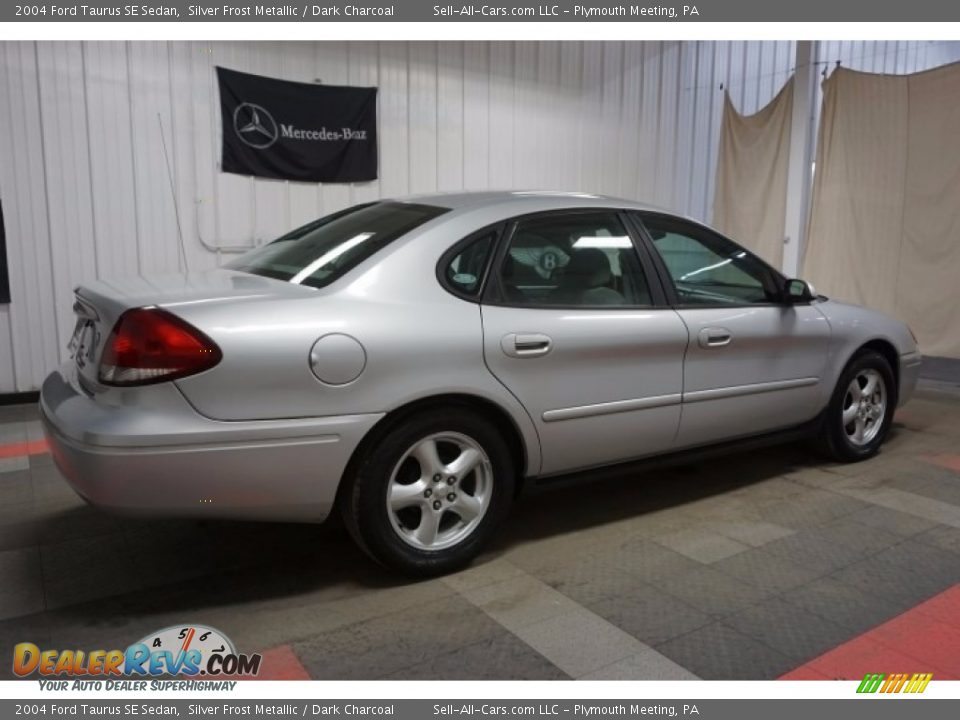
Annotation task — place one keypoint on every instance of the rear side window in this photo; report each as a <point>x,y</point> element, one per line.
<point>463,271</point>
<point>582,259</point>
<point>321,252</point>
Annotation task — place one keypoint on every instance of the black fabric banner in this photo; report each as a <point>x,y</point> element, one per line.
<point>4,276</point>
<point>297,131</point>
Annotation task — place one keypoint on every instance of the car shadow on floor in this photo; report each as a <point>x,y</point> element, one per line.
<point>184,567</point>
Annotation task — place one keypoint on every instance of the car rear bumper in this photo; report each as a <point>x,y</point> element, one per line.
<point>909,375</point>
<point>167,460</point>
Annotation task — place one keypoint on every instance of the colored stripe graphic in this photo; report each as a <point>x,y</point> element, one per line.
<point>871,682</point>
<point>895,683</point>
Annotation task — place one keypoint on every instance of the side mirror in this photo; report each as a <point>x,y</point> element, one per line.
<point>798,291</point>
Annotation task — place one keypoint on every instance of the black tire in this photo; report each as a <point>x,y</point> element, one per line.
<point>364,504</point>
<point>833,439</point>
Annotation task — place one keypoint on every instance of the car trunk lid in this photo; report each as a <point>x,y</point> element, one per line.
<point>99,304</point>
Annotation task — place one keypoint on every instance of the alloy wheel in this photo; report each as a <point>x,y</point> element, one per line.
<point>439,491</point>
<point>864,407</point>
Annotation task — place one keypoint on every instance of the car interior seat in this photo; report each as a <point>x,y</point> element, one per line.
<point>586,279</point>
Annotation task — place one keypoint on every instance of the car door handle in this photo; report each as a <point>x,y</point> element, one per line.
<point>715,337</point>
<point>525,345</point>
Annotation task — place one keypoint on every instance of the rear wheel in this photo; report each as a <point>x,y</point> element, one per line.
<point>431,492</point>
<point>861,409</point>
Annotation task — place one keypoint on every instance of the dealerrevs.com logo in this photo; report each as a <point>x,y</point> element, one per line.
<point>186,651</point>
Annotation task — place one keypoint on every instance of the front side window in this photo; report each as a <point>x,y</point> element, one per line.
<point>323,251</point>
<point>573,260</point>
<point>708,269</point>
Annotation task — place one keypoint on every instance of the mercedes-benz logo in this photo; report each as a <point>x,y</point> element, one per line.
<point>254,126</point>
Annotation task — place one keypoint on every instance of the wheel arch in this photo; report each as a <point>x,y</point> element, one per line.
<point>888,351</point>
<point>502,420</point>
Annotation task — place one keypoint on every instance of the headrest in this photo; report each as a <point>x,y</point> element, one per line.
<point>588,268</point>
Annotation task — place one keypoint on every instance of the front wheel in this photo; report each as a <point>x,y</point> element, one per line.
<point>430,494</point>
<point>861,409</point>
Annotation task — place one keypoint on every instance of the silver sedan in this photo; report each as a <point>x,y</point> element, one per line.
<point>412,363</point>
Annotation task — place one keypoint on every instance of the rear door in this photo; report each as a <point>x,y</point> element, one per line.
<point>754,363</point>
<point>575,326</point>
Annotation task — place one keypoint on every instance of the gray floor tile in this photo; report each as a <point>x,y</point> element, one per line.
<point>701,544</point>
<point>753,533</point>
<point>719,652</point>
<point>588,581</point>
<point>503,657</point>
<point>15,464</point>
<point>805,512</point>
<point>789,629</point>
<point>905,574</point>
<point>943,537</point>
<point>519,601</point>
<point>75,571</point>
<point>18,528</point>
<point>945,487</point>
<point>651,562</point>
<point>892,521</point>
<point>481,574</point>
<point>767,570</point>
<point>645,665</point>
<point>714,592</point>
<point>651,615</point>
<point>579,642</point>
<point>843,604</point>
<point>16,490</point>
<point>388,644</point>
<point>21,583</point>
<point>831,546</point>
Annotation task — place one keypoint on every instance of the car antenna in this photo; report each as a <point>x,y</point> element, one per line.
<point>173,194</point>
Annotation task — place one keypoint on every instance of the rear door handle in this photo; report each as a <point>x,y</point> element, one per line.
<point>525,345</point>
<point>713,337</point>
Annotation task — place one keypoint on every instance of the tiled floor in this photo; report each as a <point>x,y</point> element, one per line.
<point>749,567</point>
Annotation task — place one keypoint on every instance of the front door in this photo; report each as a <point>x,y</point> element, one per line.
<point>754,363</point>
<point>573,328</point>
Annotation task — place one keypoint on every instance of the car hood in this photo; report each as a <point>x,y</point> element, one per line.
<point>174,289</point>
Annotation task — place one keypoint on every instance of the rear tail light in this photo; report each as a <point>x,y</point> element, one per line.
<point>148,345</point>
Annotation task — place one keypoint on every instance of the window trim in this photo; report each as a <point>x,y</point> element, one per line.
<point>494,295</point>
<point>638,217</point>
<point>476,296</point>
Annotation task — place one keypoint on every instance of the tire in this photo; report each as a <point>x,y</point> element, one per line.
<point>840,440</point>
<point>401,465</point>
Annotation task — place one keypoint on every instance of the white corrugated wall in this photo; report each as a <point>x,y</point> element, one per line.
<point>84,177</point>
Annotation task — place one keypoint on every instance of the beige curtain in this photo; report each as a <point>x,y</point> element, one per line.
<point>751,189</point>
<point>885,212</point>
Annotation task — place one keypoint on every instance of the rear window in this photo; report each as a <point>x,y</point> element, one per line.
<point>319,253</point>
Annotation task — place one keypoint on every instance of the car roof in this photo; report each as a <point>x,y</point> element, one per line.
<point>525,200</point>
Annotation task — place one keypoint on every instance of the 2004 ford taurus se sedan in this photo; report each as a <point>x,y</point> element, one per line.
<point>412,362</point>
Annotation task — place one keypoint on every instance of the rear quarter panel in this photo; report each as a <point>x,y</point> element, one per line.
<point>419,341</point>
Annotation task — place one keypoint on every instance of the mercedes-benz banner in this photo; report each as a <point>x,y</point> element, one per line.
<point>297,131</point>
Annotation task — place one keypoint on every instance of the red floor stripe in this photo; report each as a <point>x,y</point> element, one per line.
<point>279,663</point>
<point>950,462</point>
<point>923,639</point>
<point>34,447</point>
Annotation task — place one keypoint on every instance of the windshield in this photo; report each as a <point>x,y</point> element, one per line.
<point>322,251</point>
